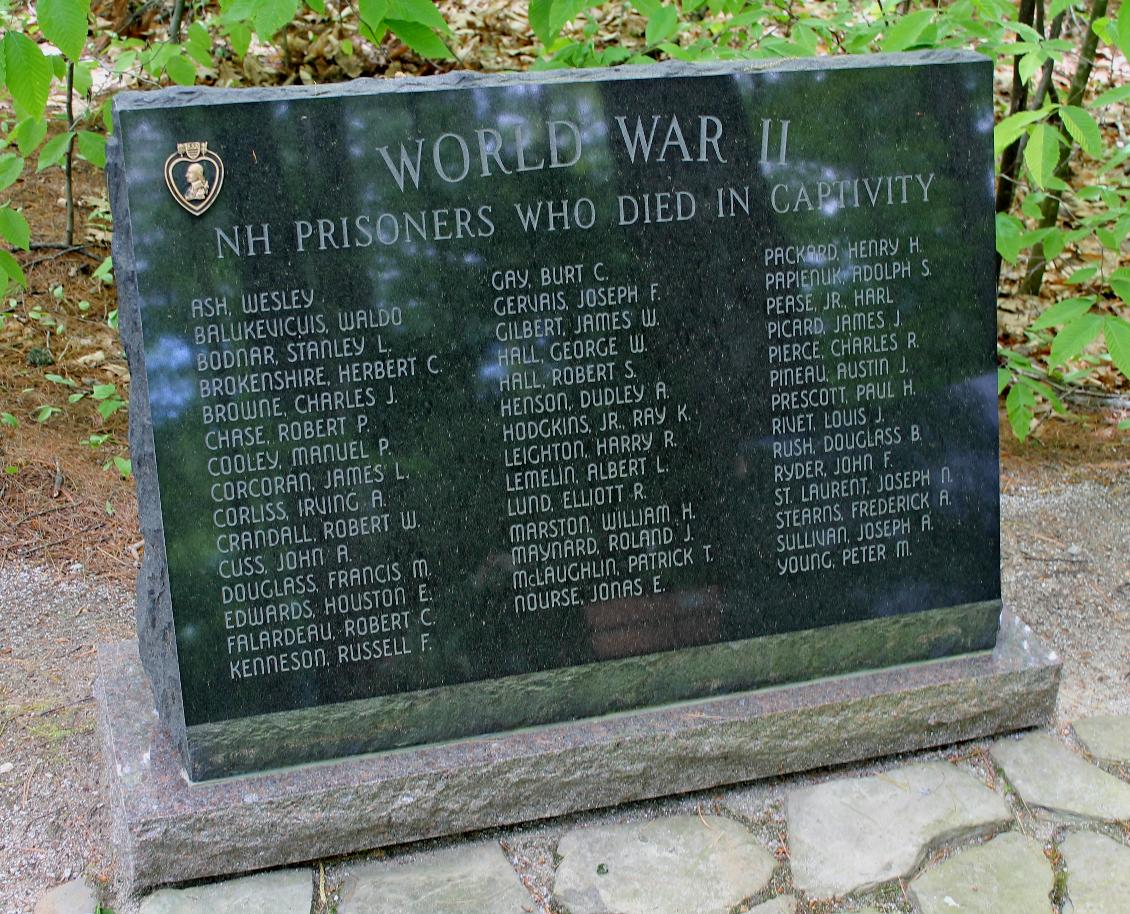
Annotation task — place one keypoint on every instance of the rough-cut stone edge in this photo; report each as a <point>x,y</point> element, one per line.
<point>206,95</point>
<point>154,611</point>
<point>167,830</point>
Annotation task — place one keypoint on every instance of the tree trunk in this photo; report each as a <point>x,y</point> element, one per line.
<point>68,164</point>
<point>1018,100</point>
<point>1049,210</point>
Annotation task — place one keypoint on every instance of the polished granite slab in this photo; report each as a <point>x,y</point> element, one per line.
<point>476,403</point>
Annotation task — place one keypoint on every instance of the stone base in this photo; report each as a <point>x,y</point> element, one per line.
<point>168,830</point>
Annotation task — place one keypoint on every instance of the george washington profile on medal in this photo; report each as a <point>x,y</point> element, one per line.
<point>194,175</point>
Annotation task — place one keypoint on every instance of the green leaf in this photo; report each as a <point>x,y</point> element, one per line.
<point>123,466</point>
<point>1081,275</point>
<point>1043,390</point>
<point>12,267</point>
<point>198,44</point>
<point>272,15</point>
<point>548,17</point>
<point>1012,128</point>
<point>1115,160</point>
<point>540,18</point>
<point>28,73</point>
<point>1054,243</point>
<point>318,6</point>
<point>373,13</point>
<point>1020,405</point>
<point>29,133</point>
<point>1009,232</point>
<point>84,78</point>
<point>1122,32</point>
<point>53,151</point>
<point>14,228</point>
<point>240,37</point>
<point>1108,239</point>
<point>1074,338</point>
<point>92,147</point>
<point>46,412</point>
<point>11,166</point>
<point>198,35</point>
<point>102,391</point>
<point>181,70</point>
<point>9,420</point>
<point>1041,155</point>
<point>1120,283</point>
<point>107,408</point>
<point>59,379</point>
<point>1083,129</point>
<point>1029,64</point>
<point>419,38</point>
<point>63,23</point>
<point>1063,312</point>
<point>103,272</point>
<point>661,25</point>
<point>906,32</point>
<point>1003,377</point>
<point>423,12</point>
<point>1117,333</point>
<point>1111,96</point>
<point>238,10</point>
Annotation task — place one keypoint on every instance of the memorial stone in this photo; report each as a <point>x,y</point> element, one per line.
<point>476,404</point>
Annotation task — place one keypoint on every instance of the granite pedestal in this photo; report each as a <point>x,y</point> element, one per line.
<point>168,830</point>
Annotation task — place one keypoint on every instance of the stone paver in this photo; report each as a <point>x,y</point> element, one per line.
<point>1107,738</point>
<point>1008,875</point>
<point>852,834</point>
<point>471,879</point>
<point>1046,773</point>
<point>279,892</point>
<point>1098,874</point>
<point>782,904</point>
<point>74,897</point>
<point>674,865</point>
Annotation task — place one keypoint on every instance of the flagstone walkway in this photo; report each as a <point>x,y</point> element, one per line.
<point>1031,824</point>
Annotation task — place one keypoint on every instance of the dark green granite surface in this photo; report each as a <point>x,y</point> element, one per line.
<point>297,505</point>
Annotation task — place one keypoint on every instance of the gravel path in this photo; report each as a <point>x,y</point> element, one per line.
<point>1065,564</point>
<point>53,822</point>
<point>1066,571</point>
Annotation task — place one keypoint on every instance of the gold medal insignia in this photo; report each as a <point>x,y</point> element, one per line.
<point>195,175</point>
